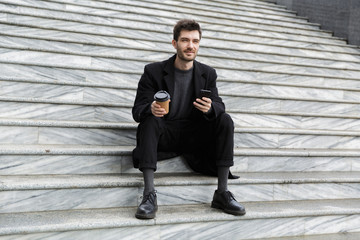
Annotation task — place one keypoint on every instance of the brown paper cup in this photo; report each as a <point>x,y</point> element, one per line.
<point>164,105</point>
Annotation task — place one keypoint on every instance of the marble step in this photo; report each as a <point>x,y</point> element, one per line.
<point>124,134</point>
<point>101,7</point>
<point>249,14</point>
<point>256,7</point>
<point>223,66</point>
<point>47,109</point>
<point>90,159</point>
<point>278,219</point>
<point>54,109</point>
<point>210,48</point>
<point>44,19</point>
<point>13,47</point>
<point>164,10</point>
<point>294,120</point>
<point>65,192</point>
<point>126,94</point>
<point>293,42</point>
<point>106,76</point>
<point>71,91</point>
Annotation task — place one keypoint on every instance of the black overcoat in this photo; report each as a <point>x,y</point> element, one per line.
<point>160,76</point>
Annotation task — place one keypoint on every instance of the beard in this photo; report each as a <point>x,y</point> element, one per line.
<point>184,57</point>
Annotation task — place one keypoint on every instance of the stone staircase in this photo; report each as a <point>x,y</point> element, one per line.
<point>69,72</point>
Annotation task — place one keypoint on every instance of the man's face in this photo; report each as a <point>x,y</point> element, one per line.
<point>187,45</point>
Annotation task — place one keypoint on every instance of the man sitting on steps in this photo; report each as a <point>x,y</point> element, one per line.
<point>196,127</point>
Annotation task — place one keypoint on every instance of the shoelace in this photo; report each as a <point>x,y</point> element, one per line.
<point>147,197</point>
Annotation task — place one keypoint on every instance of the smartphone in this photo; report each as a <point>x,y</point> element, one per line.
<point>205,93</point>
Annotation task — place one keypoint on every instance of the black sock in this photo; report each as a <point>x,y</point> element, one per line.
<point>223,175</point>
<point>148,174</point>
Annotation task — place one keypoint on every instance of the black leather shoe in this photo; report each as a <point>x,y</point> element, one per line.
<point>148,207</point>
<point>227,202</point>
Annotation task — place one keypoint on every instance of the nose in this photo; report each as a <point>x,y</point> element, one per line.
<point>190,44</point>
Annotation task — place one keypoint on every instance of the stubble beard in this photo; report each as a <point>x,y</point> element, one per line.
<point>183,57</point>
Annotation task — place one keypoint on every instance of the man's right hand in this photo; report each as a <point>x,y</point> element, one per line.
<point>157,110</point>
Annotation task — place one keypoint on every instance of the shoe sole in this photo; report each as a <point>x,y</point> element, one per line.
<point>140,216</point>
<point>236,213</point>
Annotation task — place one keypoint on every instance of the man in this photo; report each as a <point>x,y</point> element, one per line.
<point>195,126</point>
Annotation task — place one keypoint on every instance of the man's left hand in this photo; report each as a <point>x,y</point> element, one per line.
<point>203,104</point>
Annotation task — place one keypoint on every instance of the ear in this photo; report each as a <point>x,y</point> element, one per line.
<point>174,43</point>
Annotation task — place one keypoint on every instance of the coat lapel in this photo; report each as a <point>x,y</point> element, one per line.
<point>169,75</point>
<point>199,79</point>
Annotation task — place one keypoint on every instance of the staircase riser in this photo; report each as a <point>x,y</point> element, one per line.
<point>295,141</point>
<point>295,122</point>
<point>112,31</point>
<point>136,65</point>
<point>208,47</point>
<point>127,79</point>
<point>98,164</point>
<point>248,22</point>
<point>280,105</point>
<point>64,92</point>
<point>64,112</point>
<point>272,227</point>
<point>63,199</point>
<point>66,74</point>
<point>295,164</point>
<point>126,137</point>
<point>79,93</point>
<point>34,135</point>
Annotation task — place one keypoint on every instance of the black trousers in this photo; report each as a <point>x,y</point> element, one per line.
<point>211,140</point>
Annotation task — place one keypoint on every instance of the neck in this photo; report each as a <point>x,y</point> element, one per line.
<point>183,65</point>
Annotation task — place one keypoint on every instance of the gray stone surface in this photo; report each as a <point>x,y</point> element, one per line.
<point>69,70</point>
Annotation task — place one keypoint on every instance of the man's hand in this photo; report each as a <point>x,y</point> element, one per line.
<point>203,104</point>
<point>157,110</point>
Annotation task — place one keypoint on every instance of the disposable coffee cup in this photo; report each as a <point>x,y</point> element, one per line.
<point>163,98</point>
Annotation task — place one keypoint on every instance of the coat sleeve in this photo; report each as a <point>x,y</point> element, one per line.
<point>144,96</point>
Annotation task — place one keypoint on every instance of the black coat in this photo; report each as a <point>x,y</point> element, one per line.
<point>160,76</point>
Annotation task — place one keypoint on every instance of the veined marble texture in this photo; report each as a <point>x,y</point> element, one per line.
<point>285,47</point>
<point>261,228</point>
<point>286,78</point>
<point>147,9</point>
<point>129,233</point>
<point>294,164</point>
<point>268,104</point>
<point>210,47</point>
<point>283,91</point>
<point>260,140</point>
<point>62,164</point>
<point>82,136</point>
<point>66,92</point>
<point>65,74</point>
<point>18,135</point>
<point>120,23</point>
<point>220,230</point>
<point>298,122</point>
<point>64,112</point>
<point>84,198</point>
<point>44,91</point>
<point>64,199</point>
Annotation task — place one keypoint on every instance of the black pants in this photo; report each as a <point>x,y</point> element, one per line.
<point>211,140</point>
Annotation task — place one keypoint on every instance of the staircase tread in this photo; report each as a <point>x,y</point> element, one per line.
<point>201,12</point>
<point>20,223</point>
<point>40,182</point>
<point>49,149</point>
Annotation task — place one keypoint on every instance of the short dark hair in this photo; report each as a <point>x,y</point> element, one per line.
<point>185,24</point>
